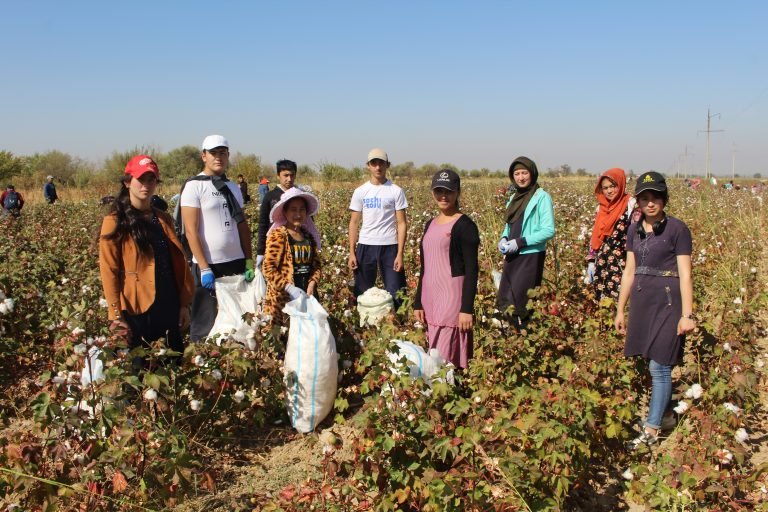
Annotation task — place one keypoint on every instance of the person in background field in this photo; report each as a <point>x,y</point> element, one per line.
<point>657,283</point>
<point>286,176</point>
<point>529,224</point>
<point>379,247</point>
<point>607,247</point>
<point>243,188</point>
<point>12,201</point>
<point>147,283</point>
<point>49,191</point>
<point>216,230</point>
<point>263,188</point>
<point>291,261</point>
<point>445,295</point>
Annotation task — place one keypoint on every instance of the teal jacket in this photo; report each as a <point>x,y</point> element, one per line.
<point>538,223</point>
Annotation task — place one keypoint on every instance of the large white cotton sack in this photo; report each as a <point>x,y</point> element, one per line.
<point>420,363</point>
<point>373,306</point>
<point>311,366</point>
<point>235,297</point>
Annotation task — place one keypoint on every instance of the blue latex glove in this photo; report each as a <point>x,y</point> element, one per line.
<point>590,273</point>
<point>259,260</point>
<point>502,245</point>
<point>249,273</point>
<point>293,291</point>
<point>207,279</point>
<point>508,247</point>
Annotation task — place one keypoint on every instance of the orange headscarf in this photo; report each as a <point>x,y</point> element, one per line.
<point>609,212</point>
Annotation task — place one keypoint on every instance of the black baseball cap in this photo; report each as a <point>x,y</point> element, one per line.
<point>447,179</point>
<point>650,181</point>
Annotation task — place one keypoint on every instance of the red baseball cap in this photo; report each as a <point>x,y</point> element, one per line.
<point>139,165</point>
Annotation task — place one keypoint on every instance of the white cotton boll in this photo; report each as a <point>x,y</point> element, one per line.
<point>681,407</point>
<point>724,456</point>
<point>161,352</point>
<point>103,302</point>
<point>727,347</point>
<point>194,405</point>
<point>80,348</point>
<point>3,309</point>
<point>742,290</point>
<point>85,289</point>
<point>627,474</point>
<point>753,270</point>
<point>694,391</point>
<point>411,417</point>
<point>741,435</point>
<point>216,374</point>
<point>77,331</point>
<point>2,295</point>
<point>347,313</point>
<point>198,360</point>
<point>737,300</point>
<point>238,396</point>
<point>150,395</point>
<point>283,330</point>
<point>9,303</point>
<point>496,322</point>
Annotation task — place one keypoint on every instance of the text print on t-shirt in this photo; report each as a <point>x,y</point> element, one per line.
<point>371,202</point>
<point>226,219</point>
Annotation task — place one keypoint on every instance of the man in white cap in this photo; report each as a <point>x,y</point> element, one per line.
<point>380,206</point>
<point>216,231</point>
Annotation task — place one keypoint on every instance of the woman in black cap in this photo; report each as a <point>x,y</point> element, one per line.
<point>657,278</point>
<point>530,223</point>
<point>445,295</point>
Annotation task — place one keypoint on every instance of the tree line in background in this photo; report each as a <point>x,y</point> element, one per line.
<point>180,163</point>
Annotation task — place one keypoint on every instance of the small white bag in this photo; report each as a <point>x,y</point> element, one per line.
<point>93,366</point>
<point>311,364</point>
<point>420,364</point>
<point>373,306</point>
<point>235,297</point>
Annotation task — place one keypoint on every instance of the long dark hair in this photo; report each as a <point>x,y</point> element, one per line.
<point>130,221</point>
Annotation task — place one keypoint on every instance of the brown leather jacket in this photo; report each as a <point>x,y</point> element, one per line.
<point>128,277</point>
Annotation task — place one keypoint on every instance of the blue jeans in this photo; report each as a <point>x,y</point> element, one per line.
<point>661,393</point>
<point>373,259</point>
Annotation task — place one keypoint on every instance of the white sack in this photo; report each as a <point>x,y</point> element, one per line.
<point>420,364</point>
<point>93,366</point>
<point>496,278</point>
<point>374,305</point>
<point>311,364</point>
<point>235,297</point>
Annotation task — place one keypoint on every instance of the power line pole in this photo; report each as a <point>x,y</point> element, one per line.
<point>708,131</point>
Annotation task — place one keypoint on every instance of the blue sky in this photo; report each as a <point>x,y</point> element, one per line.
<point>591,84</point>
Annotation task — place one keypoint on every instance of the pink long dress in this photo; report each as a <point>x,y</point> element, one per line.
<point>441,297</point>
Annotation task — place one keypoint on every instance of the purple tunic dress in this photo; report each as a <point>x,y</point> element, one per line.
<point>441,298</point>
<point>655,304</point>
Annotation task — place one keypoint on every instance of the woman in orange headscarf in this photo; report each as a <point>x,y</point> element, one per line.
<point>608,245</point>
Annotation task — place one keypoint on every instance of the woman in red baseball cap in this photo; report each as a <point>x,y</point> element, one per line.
<point>147,282</point>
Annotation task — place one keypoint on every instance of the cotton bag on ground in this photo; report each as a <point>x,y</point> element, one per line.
<point>373,306</point>
<point>236,296</point>
<point>311,364</point>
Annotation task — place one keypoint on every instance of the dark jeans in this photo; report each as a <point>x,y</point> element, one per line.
<point>373,259</point>
<point>204,304</point>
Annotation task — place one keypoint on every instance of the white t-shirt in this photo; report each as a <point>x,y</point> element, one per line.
<point>378,204</point>
<point>216,229</point>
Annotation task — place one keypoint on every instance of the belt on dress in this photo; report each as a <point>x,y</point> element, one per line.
<point>650,271</point>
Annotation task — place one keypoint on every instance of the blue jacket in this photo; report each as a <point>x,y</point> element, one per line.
<point>538,223</point>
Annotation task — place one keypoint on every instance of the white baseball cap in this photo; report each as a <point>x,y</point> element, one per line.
<point>377,153</point>
<point>214,141</point>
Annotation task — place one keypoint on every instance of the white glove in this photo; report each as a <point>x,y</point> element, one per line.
<point>293,291</point>
<point>508,246</point>
<point>590,273</point>
<point>259,260</point>
<point>503,245</point>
